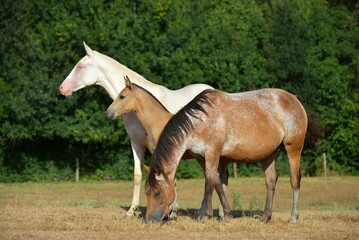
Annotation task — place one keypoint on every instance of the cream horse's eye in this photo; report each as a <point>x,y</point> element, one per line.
<point>81,65</point>
<point>122,97</point>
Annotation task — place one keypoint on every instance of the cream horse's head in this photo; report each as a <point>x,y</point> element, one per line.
<point>85,73</point>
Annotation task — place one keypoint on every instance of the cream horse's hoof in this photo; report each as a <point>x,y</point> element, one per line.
<point>131,212</point>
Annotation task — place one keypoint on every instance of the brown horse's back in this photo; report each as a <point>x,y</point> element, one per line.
<point>253,125</point>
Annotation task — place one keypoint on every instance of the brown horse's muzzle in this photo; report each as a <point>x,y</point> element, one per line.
<point>110,114</point>
<point>158,214</point>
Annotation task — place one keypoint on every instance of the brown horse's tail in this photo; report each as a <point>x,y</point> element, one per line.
<point>314,130</point>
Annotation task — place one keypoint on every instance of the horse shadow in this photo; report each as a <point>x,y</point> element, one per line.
<point>193,213</point>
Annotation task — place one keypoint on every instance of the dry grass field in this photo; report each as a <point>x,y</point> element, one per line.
<point>95,210</point>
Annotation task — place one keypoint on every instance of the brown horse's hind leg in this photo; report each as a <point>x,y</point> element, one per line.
<point>271,177</point>
<point>294,152</point>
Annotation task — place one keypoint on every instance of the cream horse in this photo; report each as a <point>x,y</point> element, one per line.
<point>98,69</point>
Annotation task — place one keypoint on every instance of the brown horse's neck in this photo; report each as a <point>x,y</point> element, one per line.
<point>166,157</point>
<point>168,167</point>
<point>152,115</point>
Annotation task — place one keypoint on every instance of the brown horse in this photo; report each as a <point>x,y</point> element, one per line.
<point>153,117</point>
<point>243,127</point>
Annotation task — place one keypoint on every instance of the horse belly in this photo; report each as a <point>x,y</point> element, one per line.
<point>251,149</point>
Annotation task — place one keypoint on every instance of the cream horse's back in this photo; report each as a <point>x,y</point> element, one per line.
<point>98,69</point>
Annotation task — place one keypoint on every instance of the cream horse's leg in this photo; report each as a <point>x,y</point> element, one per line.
<point>138,143</point>
<point>136,132</point>
<point>138,155</point>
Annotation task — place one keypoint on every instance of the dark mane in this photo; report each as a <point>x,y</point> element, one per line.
<point>151,95</point>
<point>174,132</point>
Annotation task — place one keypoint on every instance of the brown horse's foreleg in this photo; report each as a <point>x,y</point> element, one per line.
<point>206,208</point>
<point>223,174</point>
<point>174,205</point>
<point>271,177</point>
<point>211,179</point>
<point>224,209</point>
<point>201,211</point>
<point>213,171</point>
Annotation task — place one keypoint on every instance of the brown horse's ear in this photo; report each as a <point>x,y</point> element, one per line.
<point>159,177</point>
<point>148,170</point>
<point>127,81</point>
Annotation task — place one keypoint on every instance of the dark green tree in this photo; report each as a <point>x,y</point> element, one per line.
<point>307,47</point>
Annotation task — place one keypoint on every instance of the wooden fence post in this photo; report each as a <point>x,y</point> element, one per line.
<point>77,169</point>
<point>325,165</point>
<point>235,170</point>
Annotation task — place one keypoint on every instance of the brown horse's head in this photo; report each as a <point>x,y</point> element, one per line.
<point>123,103</point>
<point>160,195</point>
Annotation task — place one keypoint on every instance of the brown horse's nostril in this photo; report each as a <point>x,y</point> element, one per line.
<point>156,215</point>
<point>154,218</point>
<point>110,114</point>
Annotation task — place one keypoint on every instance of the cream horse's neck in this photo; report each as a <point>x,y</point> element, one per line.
<point>112,79</point>
<point>112,73</point>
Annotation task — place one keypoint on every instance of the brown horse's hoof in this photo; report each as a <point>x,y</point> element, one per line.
<point>224,219</point>
<point>204,218</point>
<point>264,219</point>
<point>292,221</point>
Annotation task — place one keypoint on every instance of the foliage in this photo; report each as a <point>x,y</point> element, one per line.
<point>237,202</point>
<point>189,169</point>
<point>309,48</point>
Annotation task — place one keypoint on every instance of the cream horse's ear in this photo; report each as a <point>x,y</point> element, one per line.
<point>89,51</point>
<point>127,81</point>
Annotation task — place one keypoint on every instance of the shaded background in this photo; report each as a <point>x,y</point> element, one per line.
<point>309,48</point>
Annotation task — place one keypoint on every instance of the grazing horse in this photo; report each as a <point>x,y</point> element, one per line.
<point>98,69</point>
<point>153,117</point>
<point>243,127</point>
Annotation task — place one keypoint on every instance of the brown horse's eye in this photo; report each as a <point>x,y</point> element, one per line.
<point>122,97</point>
<point>157,193</point>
